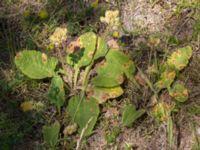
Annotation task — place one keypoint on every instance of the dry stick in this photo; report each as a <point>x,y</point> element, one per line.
<point>147,81</point>
<point>187,18</point>
<point>82,134</point>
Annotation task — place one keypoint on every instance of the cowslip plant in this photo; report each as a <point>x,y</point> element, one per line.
<point>176,62</point>
<point>110,73</point>
<point>91,70</point>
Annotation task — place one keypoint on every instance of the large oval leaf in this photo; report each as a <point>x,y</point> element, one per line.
<point>51,134</point>
<point>104,94</point>
<point>35,65</point>
<point>84,112</point>
<point>180,58</point>
<point>56,92</point>
<point>89,47</point>
<point>111,73</point>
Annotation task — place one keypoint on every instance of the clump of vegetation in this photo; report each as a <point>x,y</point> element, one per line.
<point>86,89</point>
<point>72,69</point>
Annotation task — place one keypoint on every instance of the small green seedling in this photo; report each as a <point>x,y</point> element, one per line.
<point>130,115</point>
<point>112,135</point>
<point>51,135</point>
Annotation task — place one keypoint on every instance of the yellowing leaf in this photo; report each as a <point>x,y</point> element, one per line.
<point>179,92</point>
<point>103,94</point>
<point>166,79</point>
<point>85,48</point>
<point>95,3</point>
<point>27,106</point>
<point>44,58</point>
<point>161,111</point>
<point>70,129</point>
<point>36,65</point>
<point>43,14</point>
<point>180,58</point>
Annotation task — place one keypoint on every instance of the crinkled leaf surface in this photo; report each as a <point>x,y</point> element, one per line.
<point>103,94</point>
<point>83,112</point>
<point>166,79</point>
<point>179,92</point>
<point>35,65</point>
<point>51,134</point>
<point>111,73</point>
<point>180,58</point>
<point>130,114</point>
<point>56,92</point>
<point>161,111</point>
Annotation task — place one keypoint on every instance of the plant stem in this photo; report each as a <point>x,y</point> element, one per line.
<point>59,110</point>
<point>64,66</point>
<point>147,81</point>
<point>82,134</point>
<point>86,79</point>
<point>77,71</point>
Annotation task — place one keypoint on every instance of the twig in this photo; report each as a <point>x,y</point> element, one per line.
<point>147,81</point>
<point>82,134</point>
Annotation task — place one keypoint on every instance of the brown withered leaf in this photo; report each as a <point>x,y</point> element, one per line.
<point>140,79</point>
<point>113,44</point>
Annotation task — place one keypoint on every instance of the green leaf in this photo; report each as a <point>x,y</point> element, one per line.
<point>103,94</point>
<point>179,92</point>
<point>56,92</point>
<point>102,48</point>
<point>166,79</point>
<point>35,65</point>
<point>88,48</point>
<point>111,73</point>
<point>88,44</point>
<point>84,112</point>
<point>170,136</point>
<point>130,114</point>
<point>161,111</point>
<point>51,134</point>
<point>180,58</point>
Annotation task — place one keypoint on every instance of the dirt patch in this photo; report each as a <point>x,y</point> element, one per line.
<point>145,16</point>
